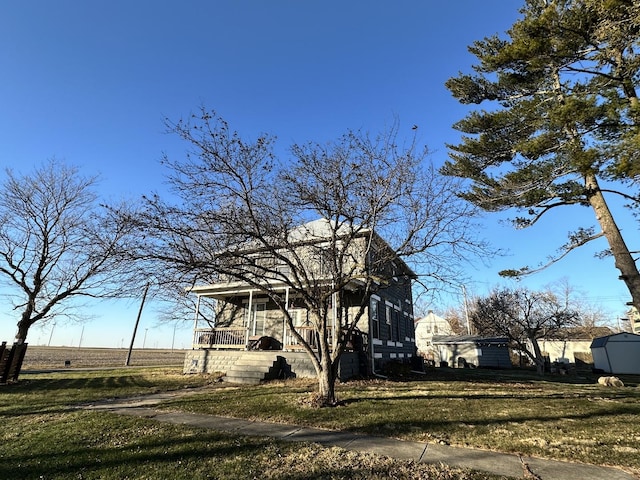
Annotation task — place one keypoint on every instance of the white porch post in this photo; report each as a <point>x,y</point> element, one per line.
<point>334,312</point>
<point>249,319</point>
<point>195,321</point>
<point>284,320</point>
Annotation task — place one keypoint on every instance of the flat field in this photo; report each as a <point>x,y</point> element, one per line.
<point>39,358</point>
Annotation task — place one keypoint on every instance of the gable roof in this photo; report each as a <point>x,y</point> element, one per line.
<point>580,333</point>
<point>322,229</point>
<point>458,339</point>
<point>616,337</point>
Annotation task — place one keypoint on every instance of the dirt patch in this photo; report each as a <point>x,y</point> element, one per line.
<point>69,357</point>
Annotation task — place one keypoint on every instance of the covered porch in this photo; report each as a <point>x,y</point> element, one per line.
<point>240,338</point>
<point>255,326</point>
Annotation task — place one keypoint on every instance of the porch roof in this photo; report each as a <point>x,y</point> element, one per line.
<point>231,289</point>
<point>222,290</point>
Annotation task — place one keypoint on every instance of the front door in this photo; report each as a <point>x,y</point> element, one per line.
<point>257,318</point>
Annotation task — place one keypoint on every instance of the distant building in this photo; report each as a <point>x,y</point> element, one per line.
<point>570,344</point>
<point>471,351</point>
<point>426,327</point>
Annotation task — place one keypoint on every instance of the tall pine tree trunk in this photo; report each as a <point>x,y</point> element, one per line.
<point>624,261</point>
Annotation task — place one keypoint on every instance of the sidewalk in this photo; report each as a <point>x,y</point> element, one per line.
<point>492,462</point>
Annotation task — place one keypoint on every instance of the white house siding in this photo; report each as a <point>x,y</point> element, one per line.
<point>565,350</point>
<point>425,328</point>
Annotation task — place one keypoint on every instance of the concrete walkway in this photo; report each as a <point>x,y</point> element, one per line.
<point>497,463</point>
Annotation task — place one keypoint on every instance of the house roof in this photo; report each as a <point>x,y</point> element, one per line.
<point>321,229</point>
<point>581,333</point>
<point>616,337</point>
<point>313,232</point>
<point>458,339</point>
<point>430,318</point>
<point>221,290</point>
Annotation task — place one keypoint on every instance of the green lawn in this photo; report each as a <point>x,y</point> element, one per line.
<point>45,436</point>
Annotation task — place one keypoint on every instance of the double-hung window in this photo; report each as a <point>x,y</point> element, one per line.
<point>375,319</point>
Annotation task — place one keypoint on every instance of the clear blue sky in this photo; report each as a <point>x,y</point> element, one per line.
<point>91,81</point>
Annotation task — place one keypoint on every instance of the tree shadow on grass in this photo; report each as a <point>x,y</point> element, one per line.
<point>68,458</point>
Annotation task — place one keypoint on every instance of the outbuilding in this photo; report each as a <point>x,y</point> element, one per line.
<point>473,351</point>
<point>618,353</point>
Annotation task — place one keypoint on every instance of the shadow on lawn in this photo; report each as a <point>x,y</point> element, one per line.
<point>139,457</point>
<point>56,394</point>
<point>169,454</point>
<point>508,376</point>
<point>107,383</point>
<point>442,428</point>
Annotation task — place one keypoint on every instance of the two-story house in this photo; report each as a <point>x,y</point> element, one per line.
<point>250,321</point>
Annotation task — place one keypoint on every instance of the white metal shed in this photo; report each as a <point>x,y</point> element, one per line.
<point>617,353</point>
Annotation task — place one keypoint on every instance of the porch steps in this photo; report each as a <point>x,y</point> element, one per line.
<point>253,367</point>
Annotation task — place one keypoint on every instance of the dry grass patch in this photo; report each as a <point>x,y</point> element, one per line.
<point>43,437</point>
<point>577,421</point>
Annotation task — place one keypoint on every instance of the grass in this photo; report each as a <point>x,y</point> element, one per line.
<point>565,418</point>
<point>43,436</point>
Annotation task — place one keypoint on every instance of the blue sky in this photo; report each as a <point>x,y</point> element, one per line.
<point>90,83</point>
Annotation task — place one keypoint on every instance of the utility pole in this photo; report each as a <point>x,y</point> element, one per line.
<point>51,334</point>
<point>135,328</point>
<point>466,308</point>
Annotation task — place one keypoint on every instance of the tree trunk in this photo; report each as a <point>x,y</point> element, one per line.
<point>623,259</point>
<point>23,329</point>
<point>326,388</point>
<point>25,323</point>
<point>326,376</point>
<point>539,359</point>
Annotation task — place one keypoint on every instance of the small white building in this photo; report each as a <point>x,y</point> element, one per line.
<point>425,328</point>
<point>618,353</point>
<point>571,344</point>
<point>472,351</point>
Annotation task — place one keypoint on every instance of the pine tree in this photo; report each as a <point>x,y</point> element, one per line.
<point>562,123</point>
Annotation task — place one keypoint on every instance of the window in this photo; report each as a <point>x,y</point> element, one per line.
<point>396,325</point>
<point>375,320</point>
<point>256,318</point>
<point>388,312</point>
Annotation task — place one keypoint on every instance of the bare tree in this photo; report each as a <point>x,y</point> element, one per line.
<point>241,214</point>
<point>56,243</point>
<point>456,317</point>
<point>524,317</point>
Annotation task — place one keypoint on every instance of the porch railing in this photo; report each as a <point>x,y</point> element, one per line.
<point>308,333</point>
<point>222,337</point>
<point>237,338</point>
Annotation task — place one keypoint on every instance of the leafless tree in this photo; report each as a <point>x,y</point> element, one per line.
<point>57,244</point>
<point>457,320</point>
<point>239,205</point>
<point>523,316</point>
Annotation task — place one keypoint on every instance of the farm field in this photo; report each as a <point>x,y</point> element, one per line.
<point>38,358</point>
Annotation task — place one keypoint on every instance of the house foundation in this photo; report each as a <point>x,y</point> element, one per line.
<point>257,366</point>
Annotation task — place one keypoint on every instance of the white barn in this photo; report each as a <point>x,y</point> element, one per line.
<point>618,353</point>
